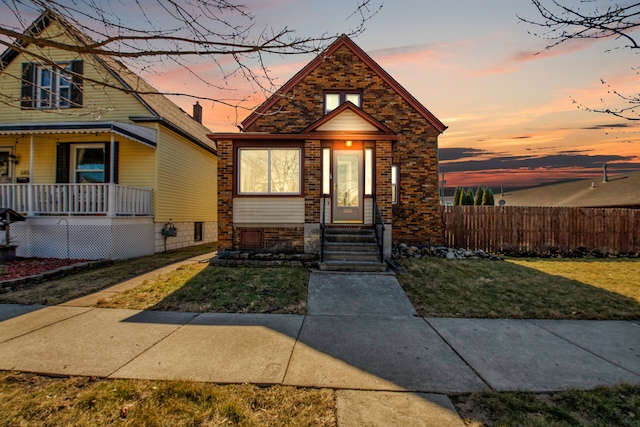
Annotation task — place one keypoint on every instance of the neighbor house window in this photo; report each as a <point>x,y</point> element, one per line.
<point>88,162</point>
<point>333,100</point>
<point>197,231</point>
<point>52,86</point>
<point>394,184</point>
<point>269,171</point>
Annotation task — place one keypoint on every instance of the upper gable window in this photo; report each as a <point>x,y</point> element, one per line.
<point>333,100</point>
<point>52,86</point>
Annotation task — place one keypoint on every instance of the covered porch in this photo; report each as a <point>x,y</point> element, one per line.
<point>76,199</point>
<point>67,169</point>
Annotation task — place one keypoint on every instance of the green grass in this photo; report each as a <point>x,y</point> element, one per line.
<point>201,288</point>
<point>602,406</point>
<point>515,288</point>
<point>80,284</point>
<point>34,400</point>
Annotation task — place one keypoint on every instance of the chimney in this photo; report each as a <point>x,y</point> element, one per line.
<point>197,112</point>
<point>605,178</point>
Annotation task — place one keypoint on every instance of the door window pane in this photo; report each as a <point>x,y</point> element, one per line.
<point>348,191</point>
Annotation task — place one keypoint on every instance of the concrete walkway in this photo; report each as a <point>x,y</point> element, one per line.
<point>361,335</point>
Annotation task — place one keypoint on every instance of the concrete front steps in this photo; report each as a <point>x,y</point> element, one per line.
<point>351,249</point>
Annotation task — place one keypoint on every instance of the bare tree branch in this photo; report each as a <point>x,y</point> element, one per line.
<point>150,35</point>
<point>562,24</point>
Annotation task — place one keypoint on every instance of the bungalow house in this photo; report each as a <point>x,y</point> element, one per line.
<point>342,148</point>
<point>100,163</point>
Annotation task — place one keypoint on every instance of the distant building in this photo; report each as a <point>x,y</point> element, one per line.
<point>618,191</point>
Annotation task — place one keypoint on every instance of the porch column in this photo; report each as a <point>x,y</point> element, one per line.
<point>30,200</point>
<point>111,192</point>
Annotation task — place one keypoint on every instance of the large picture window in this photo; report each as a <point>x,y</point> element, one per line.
<point>269,171</point>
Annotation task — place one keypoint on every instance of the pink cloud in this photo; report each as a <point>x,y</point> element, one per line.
<point>510,64</point>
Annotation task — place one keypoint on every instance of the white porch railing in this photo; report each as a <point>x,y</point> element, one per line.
<point>76,199</point>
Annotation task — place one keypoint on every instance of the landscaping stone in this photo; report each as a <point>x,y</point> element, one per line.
<point>402,250</point>
<point>264,259</point>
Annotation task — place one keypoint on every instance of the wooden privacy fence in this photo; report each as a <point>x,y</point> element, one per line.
<point>537,229</point>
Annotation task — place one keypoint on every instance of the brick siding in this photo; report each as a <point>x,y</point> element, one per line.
<point>417,216</point>
<point>225,194</point>
<point>277,239</point>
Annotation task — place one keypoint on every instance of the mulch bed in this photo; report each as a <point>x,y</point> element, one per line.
<point>25,267</point>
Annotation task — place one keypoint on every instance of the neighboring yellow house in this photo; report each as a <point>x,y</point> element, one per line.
<point>99,172</point>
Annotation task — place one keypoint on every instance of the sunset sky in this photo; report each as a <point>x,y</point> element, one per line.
<point>510,111</point>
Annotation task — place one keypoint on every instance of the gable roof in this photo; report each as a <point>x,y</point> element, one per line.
<point>345,41</point>
<point>161,109</point>
<point>346,108</point>
<point>617,191</point>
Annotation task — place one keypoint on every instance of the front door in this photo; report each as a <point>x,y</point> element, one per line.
<point>5,165</point>
<point>347,186</point>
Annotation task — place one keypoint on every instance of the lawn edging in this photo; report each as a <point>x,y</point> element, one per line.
<point>23,282</point>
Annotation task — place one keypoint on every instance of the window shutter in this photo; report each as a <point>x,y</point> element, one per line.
<point>27,99</point>
<point>77,67</point>
<point>107,161</point>
<point>63,158</point>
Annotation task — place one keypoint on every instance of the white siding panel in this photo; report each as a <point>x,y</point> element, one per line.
<point>277,210</point>
<point>347,121</point>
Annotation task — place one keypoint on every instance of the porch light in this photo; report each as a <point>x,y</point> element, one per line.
<point>348,143</point>
<point>13,159</point>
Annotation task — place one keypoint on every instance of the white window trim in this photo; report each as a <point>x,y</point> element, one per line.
<point>268,192</point>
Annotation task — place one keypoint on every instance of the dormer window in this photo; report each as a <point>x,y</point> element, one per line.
<point>334,99</point>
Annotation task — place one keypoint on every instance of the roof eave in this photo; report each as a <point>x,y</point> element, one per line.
<point>174,128</point>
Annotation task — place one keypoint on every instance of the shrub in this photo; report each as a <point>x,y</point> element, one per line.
<point>487,197</point>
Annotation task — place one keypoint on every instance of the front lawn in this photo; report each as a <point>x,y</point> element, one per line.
<point>524,288</point>
<point>57,291</point>
<point>201,288</point>
<point>36,400</point>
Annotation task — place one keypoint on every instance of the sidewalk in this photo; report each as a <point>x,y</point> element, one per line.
<point>360,335</point>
